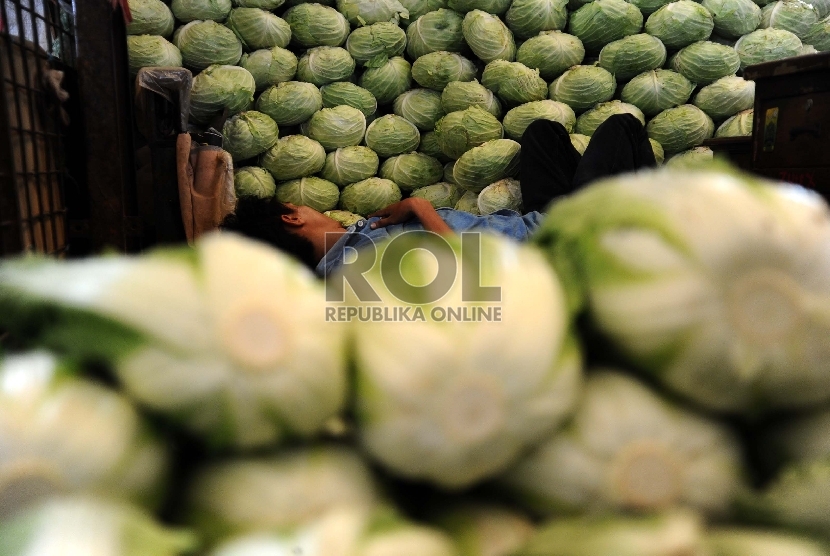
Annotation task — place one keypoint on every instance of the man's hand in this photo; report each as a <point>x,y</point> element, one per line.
<point>398,213</point>
<point>413,207</point>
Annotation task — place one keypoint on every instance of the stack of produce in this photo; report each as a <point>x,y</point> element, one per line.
<point>650,376</point>
<point>354,104</point>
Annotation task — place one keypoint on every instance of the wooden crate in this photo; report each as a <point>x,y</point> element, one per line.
<point>791,127</point>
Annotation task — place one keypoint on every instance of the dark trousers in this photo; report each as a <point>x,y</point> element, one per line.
<point>551,166</point>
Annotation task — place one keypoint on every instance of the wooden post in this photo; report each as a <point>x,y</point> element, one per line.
<point>103,79</point>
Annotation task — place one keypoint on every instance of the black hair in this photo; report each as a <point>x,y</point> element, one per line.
<point>262,219</point>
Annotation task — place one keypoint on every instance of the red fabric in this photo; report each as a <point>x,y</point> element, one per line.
<point>125,9</point>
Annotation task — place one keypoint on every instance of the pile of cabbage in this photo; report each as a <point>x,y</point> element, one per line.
<point>351,105</point>
<point>648,376</point>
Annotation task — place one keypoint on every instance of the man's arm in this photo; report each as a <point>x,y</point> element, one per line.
<point>406,210</point>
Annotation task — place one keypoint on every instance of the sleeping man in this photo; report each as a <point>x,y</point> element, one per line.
<point>550,167</point>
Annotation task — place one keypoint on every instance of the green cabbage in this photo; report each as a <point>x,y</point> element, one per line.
<point>386,78</point>
<point>311,191</point>
<point>418,8</point>
<point>422,107</point>
<point>192,10</point>
<point>657,535</point>
<point>746,542</point>
<point>257,29</point>
<point>151,51</point>
<point>634,458</point>
<point>504,194</point>
<point>435,32</point>
<point>467,413</point>
<point>655,91</point>
<point>819,35</point>
<point>705,62</point>
<point>386,38</point>
<point>495,7</point>
<point>412,170</point>
<point>90,526</point>
<point>657,149</point>
<point>726,97</point>
<point>369,195</point>
<point>458,132</point>
<point>248,134</point>
<point>263,4</point>
<point>270,66</point>
<point>648,7</point>
<point>551,52</point>
<point>698,157</point>
<point>680,128</point>
<point>221,89</point>
<point>294,156</point>
<point>528,18</point>
<point>341,126</point>
<point>316,25</point>
<point>207,43</point>
<point>187,326</point>
<point>579,142</point>
<point>430,146</point>
<point>602,21</point>
<point>390,135</point>
<point>795,16</point>
<point>588,122</point>
<point>349,165</point>
<point>483,529</point>
<point>739,125</point>
<point>733,18</point>
<point>517,119</point>
<point>632,55</point>
<point>487,163</point>
<point>343,530</point>
<point>767,45</point>
<point>46,413</point>
<point>279,492</point>
<point>680,24</point>
<point>252,181</point>
<point>460,95</point>
<point>436,69</point>
<point>367,12</point>
<point>797,496</point>
<point>488,37</point>
<point>582,87</point>
<point>150,17</point>
<point>349,94</point>
<point>448,175</point>
<point>823,7</point>
<point>730,336</point>
<point>514,82</point>
<point>440,195</point>
<point>291,102</point>
<point>468,203</point>
<point>322,65</point>
<point>343,217</point>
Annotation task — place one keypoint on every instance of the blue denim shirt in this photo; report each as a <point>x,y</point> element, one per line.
<point>504,222</point>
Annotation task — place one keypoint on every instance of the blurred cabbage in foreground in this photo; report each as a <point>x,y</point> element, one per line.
<point>62,433</point>
<point>241,358</point>
<point>715,282</point>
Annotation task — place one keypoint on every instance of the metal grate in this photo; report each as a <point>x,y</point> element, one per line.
<point>37,41</point>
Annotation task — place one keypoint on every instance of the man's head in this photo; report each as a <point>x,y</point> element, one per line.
<point>298,230</point>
